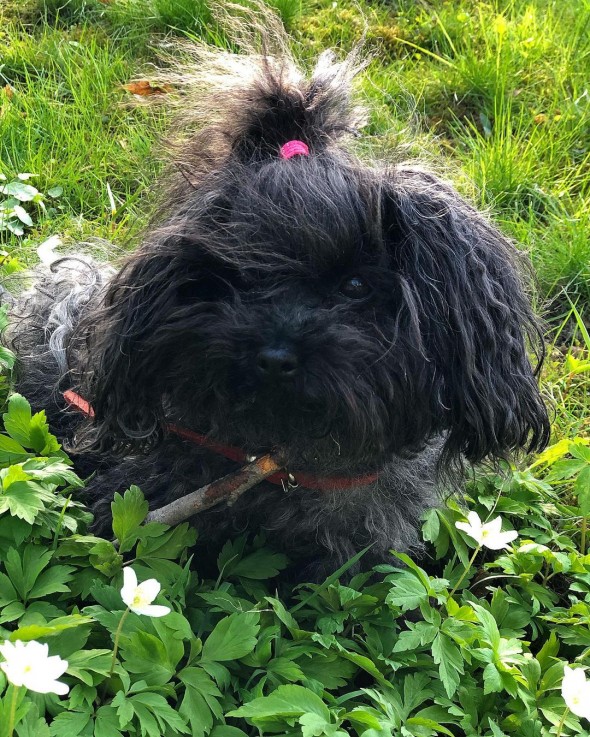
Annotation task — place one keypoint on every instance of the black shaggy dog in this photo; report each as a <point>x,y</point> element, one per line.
<point>361,317</point>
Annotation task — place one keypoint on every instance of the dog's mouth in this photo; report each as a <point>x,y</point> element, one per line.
<point>306,435</point>
<point>319,427</point>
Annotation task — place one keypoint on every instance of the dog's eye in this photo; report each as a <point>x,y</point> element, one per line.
<point>355,288</point>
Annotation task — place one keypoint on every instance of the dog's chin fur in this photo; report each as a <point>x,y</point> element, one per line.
<point>422,368</point>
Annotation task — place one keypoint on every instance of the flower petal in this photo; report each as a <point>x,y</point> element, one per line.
<point>148,590</point>
<point>494,526</point>
<point>500,540</point>
<point>573,682</point>
<point>474,519</point>
<point>473,533</point>
<point>55,667</point>
<point>28,664</point>
<point>36,651</point>
<point>7,649</point>
<point>13,673</point>
<point>152,610</point>
<point>575,690</point>
<point>129,585</point>
<point>60,688</point>
<point>42,684</point>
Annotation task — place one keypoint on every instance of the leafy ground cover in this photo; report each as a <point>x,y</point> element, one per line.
<point>463,641</point>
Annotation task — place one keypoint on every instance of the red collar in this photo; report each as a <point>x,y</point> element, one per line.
<point>282,478</point>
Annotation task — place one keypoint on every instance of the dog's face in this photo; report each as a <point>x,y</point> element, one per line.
<point>343,314</point>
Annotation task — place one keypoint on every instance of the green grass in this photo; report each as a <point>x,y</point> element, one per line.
<point>500,88</point>
<point>67,121</point>
<point>494,92</point>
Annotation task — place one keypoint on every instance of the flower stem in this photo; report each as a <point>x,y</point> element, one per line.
<point>561,723</point>
<point>466,571</point>
<point>116,643</point>
<point>583,538</point>
<point>12,715</point>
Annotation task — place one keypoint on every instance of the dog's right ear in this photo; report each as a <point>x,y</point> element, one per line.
<point>125,345</point>
<point>462,285</point>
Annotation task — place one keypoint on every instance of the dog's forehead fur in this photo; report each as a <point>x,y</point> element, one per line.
<point>311,215</point>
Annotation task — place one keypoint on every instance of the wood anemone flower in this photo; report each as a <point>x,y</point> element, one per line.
<point>139,596</point>
<point>489,534</point>
<point>29,664</point>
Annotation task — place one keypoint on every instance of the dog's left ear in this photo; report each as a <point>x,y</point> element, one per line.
<point>462,284</point>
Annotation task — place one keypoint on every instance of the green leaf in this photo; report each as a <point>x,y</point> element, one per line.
<point>232,638</point>
<point>53,580</point>
<point>106,723</point>
<point>419,635</point>
<point>450,662</point>
<point>313,725</point>
<point>492,679</point>
<point>582,488</point>
<point>71,724</point>
<point>548,652</point>
<point>24,571</point>
<point>41,440</point>
<point>52,471</point>
<point>23,215</point>
<point>55,627</point>
<point>12,612</point>
<point>11,451</point>
<point>155,713</point>
<point>159,541</point>
<point>21,496</point>
<point>259,565</point>
<point>284,616</point>
<point>13,698</point>
<point>22,192</point>
<point>407,591</point>
<point>124,709</point>
<point>428,724</point>
<point>496,731</point>
<point>7,591</point>
<point>285,701</point>
<point>201,702</point>
<point>146,656</point>
<point>18,419</point>
<point>489,627</point>
<point>224,730</point>
<point>327,668</point>
<point>32,725</point>
<point>90,666</point>
<point>129,511</point>
<point>7,358</point>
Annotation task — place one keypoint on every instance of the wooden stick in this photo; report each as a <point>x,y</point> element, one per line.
<point>228,489</point>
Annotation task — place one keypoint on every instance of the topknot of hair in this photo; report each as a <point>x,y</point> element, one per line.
<point>245,104</point>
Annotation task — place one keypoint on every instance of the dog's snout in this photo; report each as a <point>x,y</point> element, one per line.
<point>277,363</point>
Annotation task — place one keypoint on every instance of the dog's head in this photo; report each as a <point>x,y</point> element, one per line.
<point>346,312</point>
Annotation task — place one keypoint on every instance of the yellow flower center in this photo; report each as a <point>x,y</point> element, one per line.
<point>485,533</point>
<point>137,600</point>
<point>27,669</point>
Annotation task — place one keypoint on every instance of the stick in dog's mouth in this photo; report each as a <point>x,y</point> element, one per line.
<point>226,489</point>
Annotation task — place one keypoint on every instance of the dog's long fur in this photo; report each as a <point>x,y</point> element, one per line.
<point>248,251</point>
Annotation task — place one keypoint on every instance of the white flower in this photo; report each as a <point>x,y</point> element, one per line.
<point>490,534</point>
<point>139,597</point>
<point>575,690</point>
<point>29,664</point>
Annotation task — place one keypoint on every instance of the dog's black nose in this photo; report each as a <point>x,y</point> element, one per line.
<point>278,363</point>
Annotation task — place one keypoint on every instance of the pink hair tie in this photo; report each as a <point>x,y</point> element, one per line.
<point>293,148</point>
